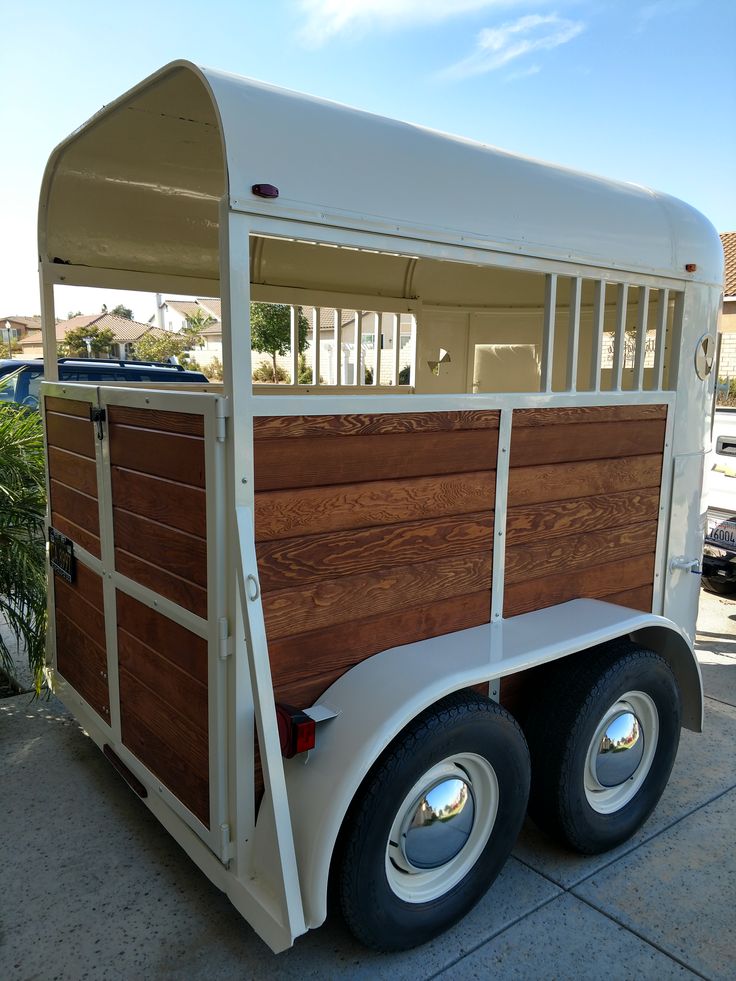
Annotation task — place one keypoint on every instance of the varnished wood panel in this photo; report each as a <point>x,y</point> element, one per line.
<point>79,508</point>
<point>181,591</point>
<point>177,552</point>
<point>309,461</point>
<point>167,501</point>
<point>71,433</point>
<point>555,482</point>
<point>588,413</point>
<point>531,522</point>
<point>79,605</point>
<point>341,507</point>
<point>373,424</point>
<point>167,422</point>
<point>83,663</point>
<point>597,582</point>
<point>69,407</point>
<point>165,742</point>
<point>343,600</point>
<point>168,455</point>
<point>174,643</point>
<point>639,598</point>
<point>564,555</point>
<point>535,445</point>
<point>80,536</point>
<point>78,472</point>
<point>300,561</point>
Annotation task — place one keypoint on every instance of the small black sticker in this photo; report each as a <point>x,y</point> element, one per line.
<point>61,555</point>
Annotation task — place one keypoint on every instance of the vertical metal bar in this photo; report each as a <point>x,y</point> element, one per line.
<point>294,342</point>
<point>641,338</point>
<point>48,328</point>
<point>573,334</point>
<point>379,337</point>
<point>548,329</point>
<point>413,350</point>
<point>338,347</point>
<point>620,338</point>
<point>499,534</point>
<point>675,348</point>
<point>359,347</point>
<point>397,347</point>
<point>315,346</point>
<point>596,349</point>
<point>662,305</point>
<point>664,514</point>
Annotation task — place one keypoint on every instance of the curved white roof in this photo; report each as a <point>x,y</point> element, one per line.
<point>137,187</point>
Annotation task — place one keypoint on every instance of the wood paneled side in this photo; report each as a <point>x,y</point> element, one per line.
<point>563,481</point>
<point>73,472</point>
<point>159,505</point>
<point>532,446</point>
<point>80,637</point>
<point>374,424</point>
<point>67,407</point>
<point>163,700</point>
<point>79,508</point>
<point>71,432</point>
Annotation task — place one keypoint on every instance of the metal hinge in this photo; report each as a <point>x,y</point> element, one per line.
<point>224,644</point>
<point>222,413</point>
<point>227,851</point>
<point>98,416</point>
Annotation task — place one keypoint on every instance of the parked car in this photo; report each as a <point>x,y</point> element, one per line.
<point>8,365</point>
<point>22,385</point>
<point>719,551</point>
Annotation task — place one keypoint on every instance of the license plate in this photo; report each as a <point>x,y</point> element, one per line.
<point>61,555</point>
<point>722,533</point>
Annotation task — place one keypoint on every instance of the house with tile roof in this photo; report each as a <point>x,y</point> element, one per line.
<point>125,332</point>
<point>14,329</point>
<point>727,325</point>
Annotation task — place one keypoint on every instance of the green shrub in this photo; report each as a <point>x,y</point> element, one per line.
<point>265,373</point>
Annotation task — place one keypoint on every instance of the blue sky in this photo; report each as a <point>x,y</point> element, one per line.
<point>641,91</point>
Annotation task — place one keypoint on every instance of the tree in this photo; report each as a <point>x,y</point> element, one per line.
<point>22,540</point>
<point>9,350</point>
<point>199,320</point>
<point>73,313</point>
<point>120,311</point>
<point>270,330</point>
<point>158,346</point>
<point>74,344</point>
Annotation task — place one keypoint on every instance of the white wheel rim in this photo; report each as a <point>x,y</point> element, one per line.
<point>414,885</point>
<point>608,799</point>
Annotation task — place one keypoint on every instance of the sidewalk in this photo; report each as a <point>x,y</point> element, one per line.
<point>93,887</point>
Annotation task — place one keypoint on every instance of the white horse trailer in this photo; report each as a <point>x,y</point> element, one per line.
<point>340,629</point>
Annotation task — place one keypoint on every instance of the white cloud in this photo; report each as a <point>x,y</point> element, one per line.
<point>524,73</point>
<point>658,8</point>
<point>497,46</point>
<point>326,18</point>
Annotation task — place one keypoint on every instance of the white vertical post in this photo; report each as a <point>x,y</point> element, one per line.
<point>413,350</point>
<point>620,338</point>
<point>573,334</point>
<point>359,347</point>
<point>315,346</point>
<point>641,338</point>
<point>397,347</point>
<point>548,330</point>
<point>48,328</point>
<point>378,328</point>
<point>294,341</point>
<point>338,347</point>
<point>664,299</point>
<point>596,348</point>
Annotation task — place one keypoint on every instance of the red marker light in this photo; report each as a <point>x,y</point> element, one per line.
<point>265,190</point>
<point>690,267</point>
<point>297,732</point>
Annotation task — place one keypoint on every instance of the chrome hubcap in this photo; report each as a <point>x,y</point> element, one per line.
<point>621,752</point>
<point>440,824</point>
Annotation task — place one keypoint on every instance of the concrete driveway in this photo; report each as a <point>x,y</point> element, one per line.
<point>92,886</point>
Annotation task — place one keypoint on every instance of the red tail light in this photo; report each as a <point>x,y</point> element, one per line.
<point>297,732</point>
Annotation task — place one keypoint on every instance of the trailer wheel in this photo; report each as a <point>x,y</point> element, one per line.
<point>602,746</point>
<point>433,823</point>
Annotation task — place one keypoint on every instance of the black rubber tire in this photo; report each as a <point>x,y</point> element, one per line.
<point>559,729</point>
<point>462,722</point>
<point>721,587</point>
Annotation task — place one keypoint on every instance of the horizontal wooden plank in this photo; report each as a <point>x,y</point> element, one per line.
<point>588,413</point>
<point>173,750</point>
<point>73,470</point>
<point>562,481</point>
<point>561,556</point>
<point>302,667</point>
<point>71,433</point>
<point>176,644</point>
<point>80,536</point>
<point>531,522</point>
<point>72,603</point>
<point>534,445</point>
<point>180,591</point>
<point>87,584</point>
<point>167,422</point>
<point>309,462</point>
<point>176,551</point>
<point>373,424</point>
<point>639,598</point>
<point>68,407</point>
<point>175,687</point>
<point>300,561</point>
<point>83,663</point>
<point>598,582</point>
<point>340,507</point>
<point>173,504</point>
<point>79,508</point>
<point>167,455</point>
<point>336,601</point>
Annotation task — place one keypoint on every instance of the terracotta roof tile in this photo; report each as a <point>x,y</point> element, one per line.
<point>729,249</point>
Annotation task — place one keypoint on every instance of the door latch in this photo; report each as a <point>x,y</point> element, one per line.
<point>98,416</point>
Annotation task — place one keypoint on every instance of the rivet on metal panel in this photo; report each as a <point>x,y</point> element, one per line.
<point>243,480</point>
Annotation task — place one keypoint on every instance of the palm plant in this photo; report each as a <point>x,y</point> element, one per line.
<point>22,539</point>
